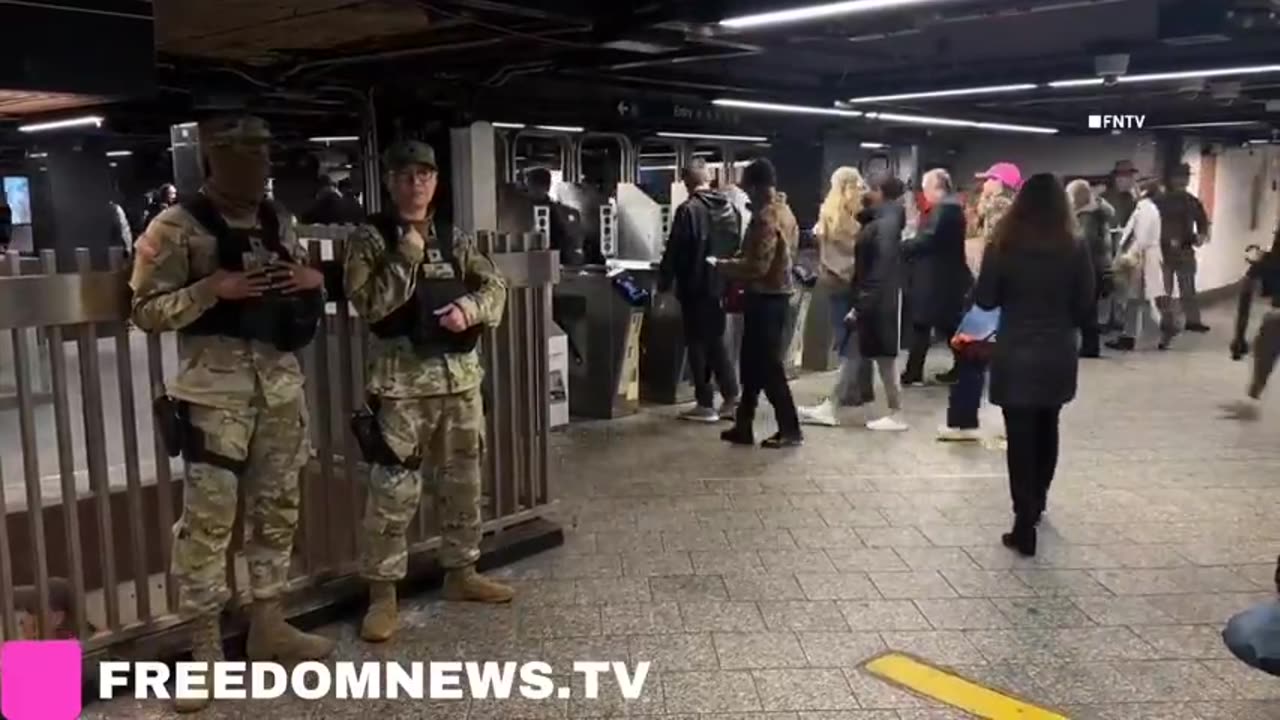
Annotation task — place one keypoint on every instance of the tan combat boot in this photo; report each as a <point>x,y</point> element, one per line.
<point>271,638</point>
<point>206,647</point>
<point>381,618</point>
<point>465,584</point>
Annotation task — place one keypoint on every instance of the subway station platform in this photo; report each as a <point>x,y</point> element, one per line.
<point>760,582</point>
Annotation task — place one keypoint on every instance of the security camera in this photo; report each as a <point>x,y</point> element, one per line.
<point>1110,68</point>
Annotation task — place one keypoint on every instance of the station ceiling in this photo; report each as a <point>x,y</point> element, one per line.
<point>663,62</point>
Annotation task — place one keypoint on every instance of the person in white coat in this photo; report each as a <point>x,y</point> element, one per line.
<point>1140,266</point>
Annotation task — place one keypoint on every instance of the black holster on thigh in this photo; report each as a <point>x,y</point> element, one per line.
<point>373,444</point>
<point>180,437</point>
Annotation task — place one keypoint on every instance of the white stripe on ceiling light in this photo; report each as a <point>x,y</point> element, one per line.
<point>889,117</point>
<point>983,90</point>
<point>814,12</point>
<point>784,108</point>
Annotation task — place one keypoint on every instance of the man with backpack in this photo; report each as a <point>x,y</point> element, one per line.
<point>705,225</point>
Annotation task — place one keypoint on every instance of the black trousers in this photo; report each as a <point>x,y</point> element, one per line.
<point>1032,458</point>
<point>704,324</point>
<point>921,338</point>
<point>764,325</point>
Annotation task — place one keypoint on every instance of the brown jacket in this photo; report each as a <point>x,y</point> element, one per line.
<point>768,250</point>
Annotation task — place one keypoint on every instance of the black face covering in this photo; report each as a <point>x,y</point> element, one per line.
<point>237,176</point>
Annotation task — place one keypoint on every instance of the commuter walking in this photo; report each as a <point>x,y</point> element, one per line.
<point>566,233</point>
<point>1000,184</point>
<point>1264,275</point>
<point>1140,267</point>
<point>1184,227</point>
<point>1040,276</point>
<point>941,278</point>
<point>427,293</point>
<point>1122,197</point>
<point>705,225</point>
<point>764,265</point>
<point>877,282</point>
<point>225,270</point>
<point>837,235</point>
<point>1092,222</point>
<point>6,222</point>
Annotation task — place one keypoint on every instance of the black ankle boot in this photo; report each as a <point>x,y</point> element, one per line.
<point>1123,344</point>
<point>737,436</point>
<point>1022,539</point>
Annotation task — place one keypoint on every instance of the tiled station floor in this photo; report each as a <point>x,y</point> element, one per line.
<point>759,582</point>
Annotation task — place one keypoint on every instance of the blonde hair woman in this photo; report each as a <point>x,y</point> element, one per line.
<point>837,234</point>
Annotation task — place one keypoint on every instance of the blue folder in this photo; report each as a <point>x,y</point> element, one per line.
<point>980,324</point>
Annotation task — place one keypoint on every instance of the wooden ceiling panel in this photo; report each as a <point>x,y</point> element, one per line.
<point>261,31</point>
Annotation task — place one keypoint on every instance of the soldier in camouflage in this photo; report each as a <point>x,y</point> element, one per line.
<point>428,404</point>
<point>244,397</point>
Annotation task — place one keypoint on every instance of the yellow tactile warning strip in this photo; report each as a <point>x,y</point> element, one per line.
<point>953,690</point>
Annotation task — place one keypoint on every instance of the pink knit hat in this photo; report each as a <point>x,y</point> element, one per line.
<point>1006,173</point>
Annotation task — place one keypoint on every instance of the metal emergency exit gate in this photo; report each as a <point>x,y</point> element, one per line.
<point>99,523</point>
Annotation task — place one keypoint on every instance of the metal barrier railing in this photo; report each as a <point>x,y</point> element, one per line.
<point>97,534</point>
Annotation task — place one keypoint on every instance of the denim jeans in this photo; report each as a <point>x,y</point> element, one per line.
<point>966,394</point>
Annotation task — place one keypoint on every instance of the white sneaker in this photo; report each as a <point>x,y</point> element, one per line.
<point>729,410</point>
<point>887,423</point>
<point>701,414</point>
<point>1246,410</point>
<point>824,414</point>
<point>950,434</point>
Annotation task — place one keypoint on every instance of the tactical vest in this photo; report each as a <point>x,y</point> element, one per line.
<point>287,322</point>
<point>416,319</point>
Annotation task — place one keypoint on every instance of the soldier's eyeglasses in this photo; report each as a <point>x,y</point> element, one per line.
<point>416,175</point>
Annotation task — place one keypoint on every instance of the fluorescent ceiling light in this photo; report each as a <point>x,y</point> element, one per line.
<point>94,120</point>
<point>778,107</point>
<point>326,139</point>
<point>508,126</point>
<point>119,153</point>
<point>953,122</point>
<point>984,90</point>
<point>705,136</point>
<point>814,12</point>
<point>561,128</point>
<point>1175,75</point>
<point>1226,123</point>
<point>1219,72</point>
<point>1262,141</point>
<point>112,164</point>
<point>1082,82</point>
<point>872,145</point>
<point>891,117</point>
<point>37,155</point>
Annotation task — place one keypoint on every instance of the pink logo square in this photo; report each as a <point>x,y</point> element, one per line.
<point>41,680</point>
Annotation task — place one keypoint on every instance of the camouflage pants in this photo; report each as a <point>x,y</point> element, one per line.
<point>447,431</point>
<point>274,441</point>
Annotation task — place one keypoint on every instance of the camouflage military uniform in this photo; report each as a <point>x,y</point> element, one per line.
<point>990,210</point>
<point>430,407</point>
<point>246,399</point>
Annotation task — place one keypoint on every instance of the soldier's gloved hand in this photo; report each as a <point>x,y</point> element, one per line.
<point>240,285</point>
<point>292,278</point>
<point>1239,348</point>
<point>452,318</point>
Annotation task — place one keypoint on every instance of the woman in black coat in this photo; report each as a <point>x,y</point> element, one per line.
<point>876,284</point>
<point>1039,273</point>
